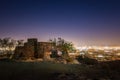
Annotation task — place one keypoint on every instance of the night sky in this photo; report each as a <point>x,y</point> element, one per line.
<point>84,22</point>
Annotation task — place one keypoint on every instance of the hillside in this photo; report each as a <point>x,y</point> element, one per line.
<point>57,71</point>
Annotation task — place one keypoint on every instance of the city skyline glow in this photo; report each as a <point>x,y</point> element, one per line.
<point>84,22</point>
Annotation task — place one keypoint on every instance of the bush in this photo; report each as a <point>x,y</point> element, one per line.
<point>69,59</point>
<point>87,60</point>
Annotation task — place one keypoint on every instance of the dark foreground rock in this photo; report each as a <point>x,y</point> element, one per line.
<point>57,71</point>
<point>102,71</point>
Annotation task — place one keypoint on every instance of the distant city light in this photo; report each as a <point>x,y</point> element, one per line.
<point>100,56</point>
<point>105,48</point>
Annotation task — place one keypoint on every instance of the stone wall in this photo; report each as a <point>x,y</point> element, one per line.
<point>33,42</point>
<point>19,52</point>
<point>33,49</point>
<point>44,49</point>
<point>29,50</point>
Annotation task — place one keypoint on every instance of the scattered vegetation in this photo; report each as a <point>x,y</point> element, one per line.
<point>7,47</point>
<point>87,60</point>
<point>61,45</point>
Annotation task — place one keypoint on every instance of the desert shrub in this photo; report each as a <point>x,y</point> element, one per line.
<point>87,60</point>
<point>69,59</point>
<point>65,54</point>
<point>54,54</point>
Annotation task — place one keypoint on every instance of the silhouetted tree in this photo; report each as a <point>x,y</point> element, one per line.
<point>20,42</point>
<point>5,43</point>
<point>64,46</point>
<point>0,43</point>
<point>8,45</point>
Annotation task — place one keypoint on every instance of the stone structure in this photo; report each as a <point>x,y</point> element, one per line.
<point>33,49</point>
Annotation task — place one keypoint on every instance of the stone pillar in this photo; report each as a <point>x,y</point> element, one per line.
<point>44,49</point>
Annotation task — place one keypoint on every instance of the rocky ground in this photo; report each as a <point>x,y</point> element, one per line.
<point>101,71</point>
<point>58,71</point>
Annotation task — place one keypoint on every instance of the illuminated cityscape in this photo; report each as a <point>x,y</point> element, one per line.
<point>104,53</point>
